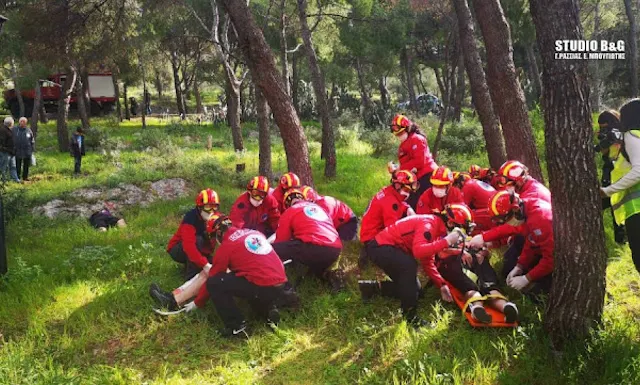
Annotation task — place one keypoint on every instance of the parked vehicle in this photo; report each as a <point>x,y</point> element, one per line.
<point>427,103</point>
<point>102,95</point>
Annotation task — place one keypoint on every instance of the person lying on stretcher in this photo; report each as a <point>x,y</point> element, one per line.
<point>451,262</point>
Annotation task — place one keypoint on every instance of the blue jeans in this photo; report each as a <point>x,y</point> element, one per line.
<point>13,170</point>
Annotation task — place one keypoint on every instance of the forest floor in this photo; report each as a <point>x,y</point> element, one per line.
<point>75,307</point>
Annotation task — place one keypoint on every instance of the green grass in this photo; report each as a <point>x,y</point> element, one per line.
<point>75,308</point>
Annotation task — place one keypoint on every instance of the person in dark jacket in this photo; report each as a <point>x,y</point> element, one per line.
<point>24,143</point>
<point>7,148</point>
<point>77,149</point>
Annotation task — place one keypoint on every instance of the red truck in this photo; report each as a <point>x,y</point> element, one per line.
<point>101,94</point>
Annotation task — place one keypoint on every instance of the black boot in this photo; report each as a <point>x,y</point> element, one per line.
<point>619,234</point>
<point>235,331</point>
<point>273,317</point>
<point>411,315</point>
<point>368,289</point>
<point>337,280</point>
<point>164,298</point>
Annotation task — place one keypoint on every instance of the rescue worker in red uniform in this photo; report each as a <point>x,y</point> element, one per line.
<point>396,249</point>
<point>190,245</point>
<point>441,192</point>
<point>476,195</point>
<point>484,174</point>
<point>287,181</point>
<point>513,176</point>
<point>344,220</point>
<point>533,220</point>
<point>256,209</point>
<point>306,235</point>
<point>245,266</point>
<point>386,207</point>
<point>413,154</point>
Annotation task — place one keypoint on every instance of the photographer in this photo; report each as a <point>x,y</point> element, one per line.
<point>608,135</point>
<point>625,176</point>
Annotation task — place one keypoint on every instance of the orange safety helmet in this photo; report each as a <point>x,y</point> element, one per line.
<point>289,180</point>
<point>441,176</point>
<point>503,205</point>
<point>406,179</point>
<point>290,195</point>
<point>400,124</point>
<point>217,225</point>
<point>208,197</point>
<point>309,194</point>
<point>459,214</point>
<point>513,171</point>
<point>258,187</point>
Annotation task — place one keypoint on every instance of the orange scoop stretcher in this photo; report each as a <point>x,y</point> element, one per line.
<point>497,317</point>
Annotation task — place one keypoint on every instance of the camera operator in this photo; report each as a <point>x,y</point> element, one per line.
<point>608,135</point>
<point>625,176</point>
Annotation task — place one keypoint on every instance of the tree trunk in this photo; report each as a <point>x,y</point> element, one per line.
<point>84,77</point>
<point>364,93</point>
<point>407,62</point>
<point>143,104</point>
<point>127,112</point>
<point>596,95</point>
<point>36,109</point>
<point>196,93</point>
<point>81,103</point>
<point>317,78</point>
<point>283,46</point>
<point>233,113</point>
<point>63,111</point>
<point>506,93</point>
<point>116,88</point>
<point>535,71</point>
<point>14,77</point>
<point>460,88</point>
<point>577,294</point>
<point>385,99</point>
<point>176,84</point>
<point>264,136</point>
<point>633,47</point>
<point>295,80</point>
<point>479,88</point>
<point>269,81</point>
<point>158,84</point>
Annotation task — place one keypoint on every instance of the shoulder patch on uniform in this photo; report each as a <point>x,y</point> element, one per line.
<point>257,244</point>
<point>427,236</point>
<point>240,205</point>
<point>414,146</point>
<point>395,206</point>
<point>537,232</point>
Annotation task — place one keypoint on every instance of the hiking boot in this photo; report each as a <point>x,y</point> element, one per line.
<point>480,314</point>
<point>236,331</point>
<point>619,235</point>
<point>510,311</point>
<point>336,279</point>
<point>289,298</point>
<point>273,317</point>
<point>412,318</point>
<point>164,298</point>
<point>368,289</point>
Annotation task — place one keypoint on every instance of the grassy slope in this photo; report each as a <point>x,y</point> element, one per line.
<point>75,307</point>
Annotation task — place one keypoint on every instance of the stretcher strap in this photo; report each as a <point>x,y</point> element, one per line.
<point>496,296</point>
<point>472,300</point>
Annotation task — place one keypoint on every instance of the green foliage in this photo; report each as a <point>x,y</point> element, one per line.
<point>383,143</point>
<point>463,138</point>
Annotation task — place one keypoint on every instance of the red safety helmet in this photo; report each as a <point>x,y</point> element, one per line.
<point>208,200</point>
<point>406,179</point>
<point>513,171</point>
<point>474,171</point>
<point>458,214</point>
<point>217,225</point>
<point>289,180</point>
<point>400,124</point>
<point>290,195</point>
<point>309,194</point>
<point>503,205</point>
<point>258,187</point>
<point>460,177</point>
<point>441,176</point>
